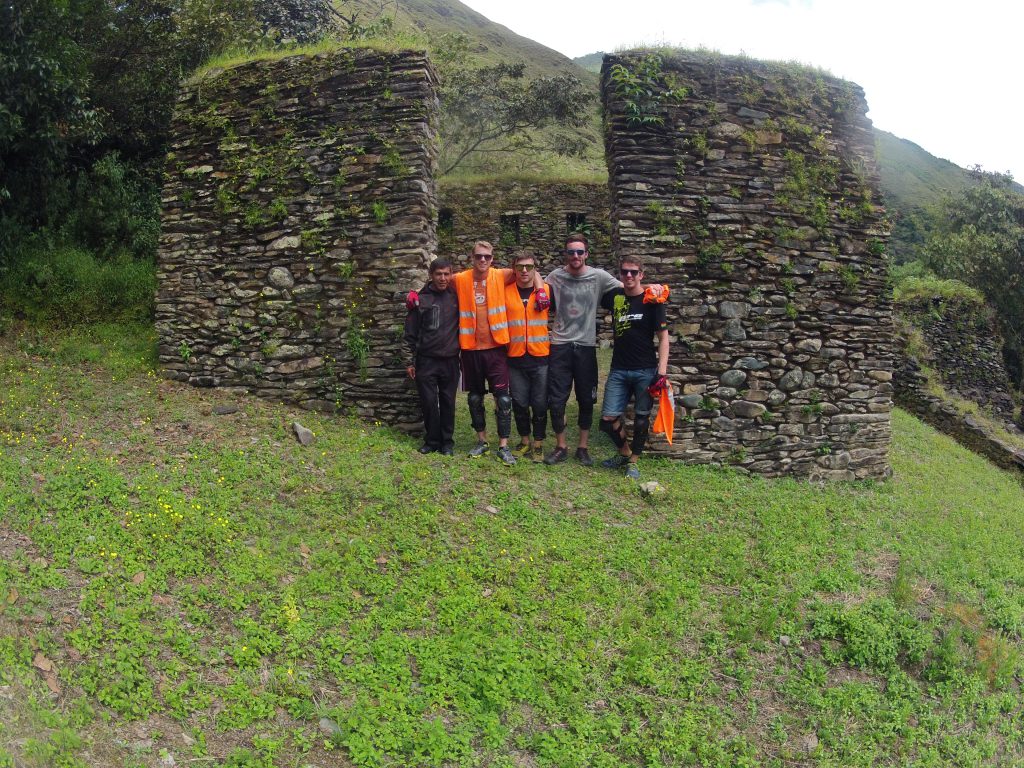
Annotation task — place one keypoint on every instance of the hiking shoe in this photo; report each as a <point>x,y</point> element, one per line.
<point>537,454</point>
<point>522,449</point>
<point>447,451</point>
<point>427,449</point>
<point>633,471</point>
<point>505,454</point>
<point>616,461</point>
<point>479,449</point>
<point>557,456</point>
<point>583,457</point>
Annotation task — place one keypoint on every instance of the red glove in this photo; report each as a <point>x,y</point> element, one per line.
<point>412,300</point>
<point>541,300</point>
<point>659,385</point>
<point>655,294</point>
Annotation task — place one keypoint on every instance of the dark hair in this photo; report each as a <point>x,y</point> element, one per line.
<point>520,255</point>
<point>439,263</point>
<point>577,237</point>
<point>638,260</point>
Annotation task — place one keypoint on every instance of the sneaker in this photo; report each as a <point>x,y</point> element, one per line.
<point>633,471</point>
<point>557,456</point>
<point>479,449</point>
<point>537,454</point>
<point>447,451</point>
<point>427,449</point>
<point>616,461</point>
<point>583,457</point>
<point>522,449</point>
<point>505,454</point>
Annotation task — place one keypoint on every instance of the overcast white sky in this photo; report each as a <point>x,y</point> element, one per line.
<point>945,75</point>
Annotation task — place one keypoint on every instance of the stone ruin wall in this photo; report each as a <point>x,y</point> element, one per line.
<point>964,347</point>
<point>754,194</point>
<point>542,212</point>
<point>299,199</point>
<point>961,345</point>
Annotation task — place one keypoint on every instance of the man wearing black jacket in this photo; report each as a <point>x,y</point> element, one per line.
<point>432,338</point>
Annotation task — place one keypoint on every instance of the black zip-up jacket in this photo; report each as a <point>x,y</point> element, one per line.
<point>432,328</point>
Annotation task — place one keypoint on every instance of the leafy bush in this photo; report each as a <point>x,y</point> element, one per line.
<point>875,635</point>
<point>113,208</point>
<point>69,284</point>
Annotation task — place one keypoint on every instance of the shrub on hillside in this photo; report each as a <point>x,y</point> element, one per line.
<point>113,208</point>
<point>69,284</point>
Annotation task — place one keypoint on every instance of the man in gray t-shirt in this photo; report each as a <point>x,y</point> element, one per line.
<point>576,290</point>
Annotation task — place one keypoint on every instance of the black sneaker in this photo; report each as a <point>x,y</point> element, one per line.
<point>447,451</point>
<point>557,456</point>
<point>479,449</point>
<point>427,449</point>
<point>616,461</point>
<point>633,471</point>
<point>583,457</point>
<point>505,454</point>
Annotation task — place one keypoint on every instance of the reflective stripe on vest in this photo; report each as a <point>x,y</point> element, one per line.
<point>535,340</point>
<point>496,312</point>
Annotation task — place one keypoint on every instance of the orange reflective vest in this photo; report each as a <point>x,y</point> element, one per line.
<point>527,326</point>
<point>496,314</point>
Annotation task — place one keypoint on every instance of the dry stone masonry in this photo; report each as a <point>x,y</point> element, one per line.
<point>957,342</point>
<point>516,214</point>
<point>751,189</point>
<point>299,199</point>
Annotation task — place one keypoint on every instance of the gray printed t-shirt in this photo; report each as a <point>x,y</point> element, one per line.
<point>576,300</point>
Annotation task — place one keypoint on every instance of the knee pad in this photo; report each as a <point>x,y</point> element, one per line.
<point>641,428</point>
<point>586,417</point>
<point>503,409</point>
<point>503,402</point>
<point>476,411</point>
<point>558,420</point>
<point>614,430</point>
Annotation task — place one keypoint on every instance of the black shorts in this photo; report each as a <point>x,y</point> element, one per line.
<point>481,367</point>
<point>572,366</point>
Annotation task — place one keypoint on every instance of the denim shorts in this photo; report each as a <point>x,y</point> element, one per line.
<point>623,384</point>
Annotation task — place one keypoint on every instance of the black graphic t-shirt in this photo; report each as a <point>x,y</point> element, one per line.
<point>634,325</point>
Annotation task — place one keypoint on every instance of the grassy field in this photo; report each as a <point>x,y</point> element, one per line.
<point>184,588</point>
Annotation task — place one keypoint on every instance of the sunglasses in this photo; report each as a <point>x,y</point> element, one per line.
<point>525,267</point>
<point>575,251</point>
<point>483,256</point>
<point>629,272</point>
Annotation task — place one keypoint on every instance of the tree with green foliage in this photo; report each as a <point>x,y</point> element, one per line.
<point>980,240</point>
<point>44,106</point>
<point>497,110</point>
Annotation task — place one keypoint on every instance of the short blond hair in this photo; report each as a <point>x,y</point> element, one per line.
<point>483,243</point>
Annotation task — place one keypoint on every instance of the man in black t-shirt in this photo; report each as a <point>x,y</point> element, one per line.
<point>638,367</point>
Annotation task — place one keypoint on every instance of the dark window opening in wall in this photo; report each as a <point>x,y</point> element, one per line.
<point>509,230</point>
<point>445,222</point>
<point>575,222</point>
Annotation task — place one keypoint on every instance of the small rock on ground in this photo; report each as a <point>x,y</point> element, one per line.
<point>303,435</point>
<point>651,488</point>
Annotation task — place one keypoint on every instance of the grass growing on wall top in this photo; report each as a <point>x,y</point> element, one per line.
<point>395,41</point>
<point>922,288</point>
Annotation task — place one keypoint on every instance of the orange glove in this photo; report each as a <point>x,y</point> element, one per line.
<point>656,294</point>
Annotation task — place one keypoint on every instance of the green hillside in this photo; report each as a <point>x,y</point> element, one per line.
<point>912,175</point>
<point>591,62</point>
<point>914,183</point>
<point>491,42</point>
